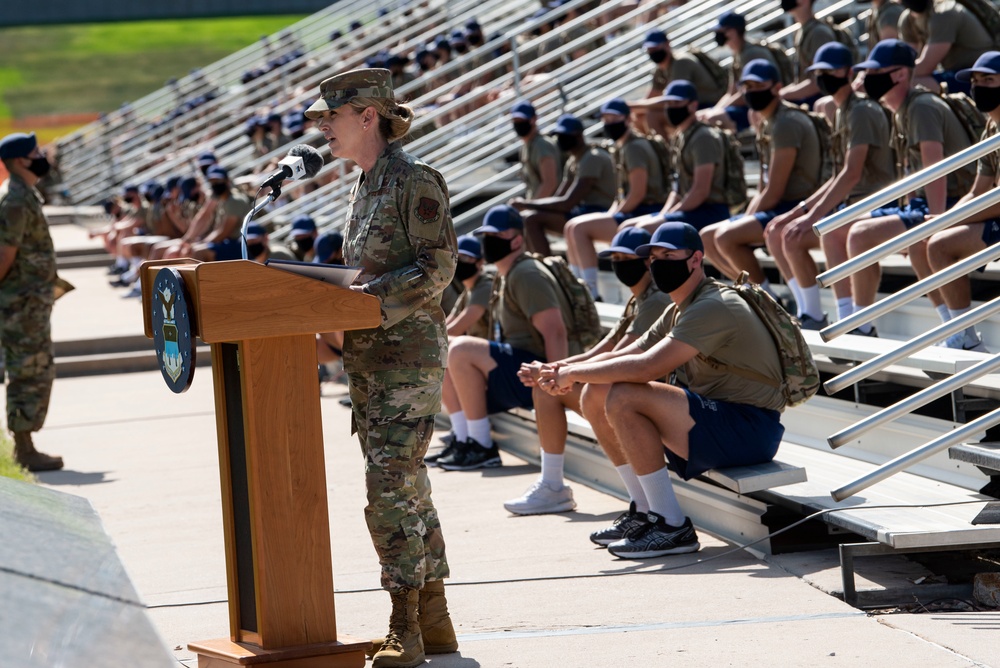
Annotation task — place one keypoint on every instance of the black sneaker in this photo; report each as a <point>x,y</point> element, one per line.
<point>809,322</point>
<point>472,456</point>
<point>656,538</point>
<point>444,455</point>
<point>620,528</point>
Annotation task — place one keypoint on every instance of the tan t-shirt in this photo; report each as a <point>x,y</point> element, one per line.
<point>989,164</point>
<point>532,289</point>
<point>595,163</point>
<point>863,122</point>
<point>789,127</point>
<point>636,153</point>
<point>924,116</point>
<point>237,205</point>
<point>686,66</point>
<point>722,326</point>
<point>532,154</point>
<point>947,23</point>
<point>812,35</point>
<point>479,295</point>
<point>700,145</point>
<point>749,52</point>
<point>886,16</point>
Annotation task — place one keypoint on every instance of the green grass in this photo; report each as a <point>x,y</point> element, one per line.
<point>8,467</point>
<point>70,69</point>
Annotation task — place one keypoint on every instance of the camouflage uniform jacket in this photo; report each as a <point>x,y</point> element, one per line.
<point>399,231</point>
<point>23,226</point>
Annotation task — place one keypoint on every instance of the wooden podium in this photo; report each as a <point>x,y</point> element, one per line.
<point>261,324</point>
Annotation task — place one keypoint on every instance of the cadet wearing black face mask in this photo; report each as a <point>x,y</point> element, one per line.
<point>469,314</point>
<point>981,230</point>
<point>214,233</point>
<point>588,186</point>
<point>541,163</point>
<point>810,36</point>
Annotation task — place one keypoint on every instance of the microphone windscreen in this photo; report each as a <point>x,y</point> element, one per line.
<point>312,161</point>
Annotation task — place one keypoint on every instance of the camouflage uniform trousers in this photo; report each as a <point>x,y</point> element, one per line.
<point>394,416</point>
<point>25,334</point>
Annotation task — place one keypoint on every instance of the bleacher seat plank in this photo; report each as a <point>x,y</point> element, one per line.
<point>747,479</point>
<point>864,348</point>
<point>983,455</point>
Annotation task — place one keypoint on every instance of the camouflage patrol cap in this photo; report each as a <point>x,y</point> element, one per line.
<point>341,89</point>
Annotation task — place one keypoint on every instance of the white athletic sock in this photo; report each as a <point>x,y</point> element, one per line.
<point>793,285</point>
<point>971,337</point>
<point>552,469</point>
<point>459,426</point>
<point>576,271</point>
<point>479,430</point>
<point>590,278</point>
<point>766,287</point>
<point>811,305</point>
<point>660,492</point>
<point>845,307</point>
<point>633,487</point>
<point>943,312</point>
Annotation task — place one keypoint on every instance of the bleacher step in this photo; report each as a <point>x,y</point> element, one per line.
<point>118,362</point>
<point>747,479</point>
<point>984,455</point>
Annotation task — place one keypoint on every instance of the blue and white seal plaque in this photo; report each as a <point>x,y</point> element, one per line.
<point>175,349</point>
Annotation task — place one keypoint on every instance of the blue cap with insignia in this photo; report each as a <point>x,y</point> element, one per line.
<point>500,219</point>
<point>17,145</point>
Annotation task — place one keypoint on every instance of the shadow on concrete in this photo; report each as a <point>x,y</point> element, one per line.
<point>455,660</point>
<point>65,477</point>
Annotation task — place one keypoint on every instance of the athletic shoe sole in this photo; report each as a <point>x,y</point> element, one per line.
<point>563,507</point>
<point>488,464</point>
<point>649,554</point>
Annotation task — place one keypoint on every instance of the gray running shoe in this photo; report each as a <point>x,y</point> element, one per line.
<point>626,522</point>
<point>656,539</point>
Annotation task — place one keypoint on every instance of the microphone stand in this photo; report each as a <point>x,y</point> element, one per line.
<point>274,194</point>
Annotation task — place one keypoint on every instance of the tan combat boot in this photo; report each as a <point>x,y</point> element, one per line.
<point>436,628</point>
<point>403,647</point>
<point>31,459</point>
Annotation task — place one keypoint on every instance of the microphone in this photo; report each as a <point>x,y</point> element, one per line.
<point>302,162</point>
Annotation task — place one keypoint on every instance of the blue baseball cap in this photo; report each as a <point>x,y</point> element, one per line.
<point>471,246</point>
<point>326,245</point>
<point>472,25</point>
<point>627,241</point>
<point>500,219</point>
<point>255,231</point>
<point>680,90</point>
<point>831,56</point>
<point>988,63</point>
<point>654,39</point>
<point>730,20</point>
<point>760,69</point>
<point>216,172</point>
<point>568,124</point>
<point>17,145</point>
<point>207,158</point>
<point>523,110</point>
<point>889,53</point>
<point>302,226</point>
<point>616,106</point>
<point>673,235</point>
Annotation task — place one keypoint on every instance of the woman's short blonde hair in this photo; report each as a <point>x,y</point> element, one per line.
<point>394,119</point>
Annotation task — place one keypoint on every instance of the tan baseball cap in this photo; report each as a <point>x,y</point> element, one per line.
<point>341,89</point>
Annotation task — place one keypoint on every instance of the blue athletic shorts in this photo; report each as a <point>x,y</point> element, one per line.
<point>230,249</point>
<point>584,209</point>
<point>765,217</point>
<point>808,101</point>
<point>740,116</point>
<point>641,210</point>
<point>504,390</point>
<point>991,231</point>
<point>913,213</point>
<point>954,84</point>
<point>727,434</point>
<point>704,215</point>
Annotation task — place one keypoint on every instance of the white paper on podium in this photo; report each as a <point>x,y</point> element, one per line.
<point>335,274</point>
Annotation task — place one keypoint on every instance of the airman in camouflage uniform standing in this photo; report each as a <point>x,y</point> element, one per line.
<point>27,279</point>
<point>400,232</point>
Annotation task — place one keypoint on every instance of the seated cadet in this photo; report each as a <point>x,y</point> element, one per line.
<point>883,21</point>
<point>699,155</point>
<point>329,249</point>
<point>865,164</point>
<point>670,66</point>
<point>470,314</point>
<point>541,164</point>
<point>549,494</point>
<point>811,35</point>
<point>731,110</point>
<point>945,34</point>
<point>214,234</point>
<point>982,229</point>
<point>588,186</point>
<point>642,190</point>
<point>302,238</point>
<point>928,131</point>
<point>481,377</point>
<point>790,169</point>
<point>711,418</point>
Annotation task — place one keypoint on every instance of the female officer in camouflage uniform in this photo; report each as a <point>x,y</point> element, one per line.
<point>399,231</point>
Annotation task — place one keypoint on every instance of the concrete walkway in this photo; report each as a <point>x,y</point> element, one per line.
<point>524,592</point>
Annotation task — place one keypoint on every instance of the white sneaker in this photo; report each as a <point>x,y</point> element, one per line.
<point>540,499</point>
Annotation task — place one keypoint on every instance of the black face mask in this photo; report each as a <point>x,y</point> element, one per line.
<point>670,274</point>
<point>987,99</point>
<point>219,189</point>
<point>465,270</point>
<point>877,85</point>
<point>425,67</point>
<point>829,84</point>
<point>630,272</point>
<point>475,40</point>
<point>789,5</point>
<point>461,49</point>
<point>253,250</point>
<point>919,6</point>
<point>566,143</point>
<point>758,99</point>
<point>658,56</point>
<point>522,128</point>
<point>677,115</point>
<point>720,39</point>
<point>335,259</point>
<point>615,131</point>
<point>39,167</point>
<point>495,248</point>
<point>302,245</point>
